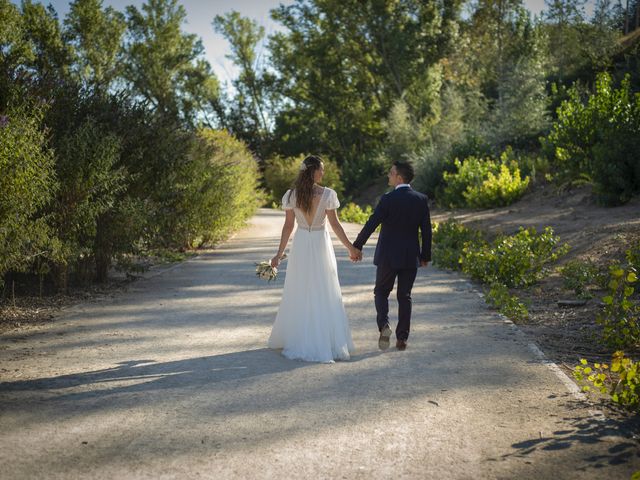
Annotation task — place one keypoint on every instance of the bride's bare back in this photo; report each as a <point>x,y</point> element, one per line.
<point>315,203</point>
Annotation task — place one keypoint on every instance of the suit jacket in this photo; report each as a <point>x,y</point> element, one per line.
<point>401,212</point>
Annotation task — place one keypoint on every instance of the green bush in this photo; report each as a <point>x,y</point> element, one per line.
<point>620,317</point>
<point>515,261</point>
<point>471,171</point>
<point>433,161</point>
<point>352,212</point>
<point>507,262</point>
<point>599,140</point>
<point>497,190</point>
<point>27,185</point>
<point>484,183</point>
<point>226,191</point>
<point>509,305</point>
<point>90,181</point>
<point>280,173</point>
<point>579,276</point>
<point>449,240</point>
<point>621,381</point>
<point>536,167</point>
<point>632,255</point>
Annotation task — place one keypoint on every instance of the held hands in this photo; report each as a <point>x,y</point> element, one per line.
<point>354,254</point>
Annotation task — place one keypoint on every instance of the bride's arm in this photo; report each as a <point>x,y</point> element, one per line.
<point>287,228</point>
<point>336,226</point>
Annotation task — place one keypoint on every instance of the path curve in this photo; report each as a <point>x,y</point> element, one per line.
<point>172,379</point>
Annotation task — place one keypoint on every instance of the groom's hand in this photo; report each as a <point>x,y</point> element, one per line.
<point>423,263</point>
<point>355,255</point>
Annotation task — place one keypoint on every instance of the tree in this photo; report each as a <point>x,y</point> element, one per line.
<point>520,112</point>
<point>564,19</point>
<point>248,115</point>
<point>15,52</point>
<point>51,63</point>
<point>27,184</point>
<point>163,64</point>
<point>96,34</point>
<point>343,64</point>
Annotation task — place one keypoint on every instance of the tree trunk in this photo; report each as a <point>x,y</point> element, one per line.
<point>62,277</point>
<point>102,250</point>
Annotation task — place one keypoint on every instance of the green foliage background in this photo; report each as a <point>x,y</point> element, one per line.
<point>128,135</point>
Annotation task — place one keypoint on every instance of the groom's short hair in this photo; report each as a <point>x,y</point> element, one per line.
<point>405,170</point>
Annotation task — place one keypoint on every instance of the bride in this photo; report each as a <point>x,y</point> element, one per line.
<point>311,323</point>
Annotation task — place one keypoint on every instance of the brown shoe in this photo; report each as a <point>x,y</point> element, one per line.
<point>401,345</point>
<point>385,335</point>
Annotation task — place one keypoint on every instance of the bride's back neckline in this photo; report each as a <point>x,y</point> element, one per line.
<point>318,192</point>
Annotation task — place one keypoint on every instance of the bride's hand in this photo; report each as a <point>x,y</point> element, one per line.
<point>275,261</point>
<point>354,253</point>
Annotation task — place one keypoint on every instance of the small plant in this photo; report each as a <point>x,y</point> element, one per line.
<point>619,317</point>
<point>621,381</point>
<point>597,140</point>
<point>484,182</point>
<point>509,305</point>
<point>514,261</point>
<point>449,239</point>
<point>353,213</point>
<point>633,256</point>
<point>580,275</point>
<point>497,190</point>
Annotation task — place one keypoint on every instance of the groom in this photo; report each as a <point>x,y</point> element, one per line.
<point>399,252</point>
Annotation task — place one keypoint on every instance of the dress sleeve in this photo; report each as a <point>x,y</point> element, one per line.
<point>288,201</point>
<point>333,202</point>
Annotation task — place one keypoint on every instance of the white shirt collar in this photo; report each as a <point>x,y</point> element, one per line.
<point>402,185</point>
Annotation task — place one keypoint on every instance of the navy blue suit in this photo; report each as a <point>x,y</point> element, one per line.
<point>401,212</point>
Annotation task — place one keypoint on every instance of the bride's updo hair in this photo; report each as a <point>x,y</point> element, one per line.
<point>304,183</point>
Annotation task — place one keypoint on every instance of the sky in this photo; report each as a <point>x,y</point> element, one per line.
<point>200,14</point>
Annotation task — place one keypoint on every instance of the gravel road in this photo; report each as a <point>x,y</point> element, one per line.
<point>172,379</point>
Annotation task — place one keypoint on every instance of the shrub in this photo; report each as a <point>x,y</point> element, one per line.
<point>484,183</point>
<point>27,184</point>
<point>633,256</point>
<point>431,166</point>
<point>536,167</point>
<point>507,304</point>
<point>90,181</point>
<point>280,173</point>
<point>621,381</point>
<point>620,315</point>
<point>226,192</point>
<point>515,261</point>
<point>352,212</point>
<point>579,276</point>
<point>599,140</point>
<point>497,190</point>
<point>449,240</point>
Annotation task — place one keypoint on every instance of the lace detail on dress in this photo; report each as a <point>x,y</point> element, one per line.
<point>328,200</point>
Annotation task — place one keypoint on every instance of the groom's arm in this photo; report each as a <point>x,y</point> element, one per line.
<point>425,229</point>
<point>374,220</point>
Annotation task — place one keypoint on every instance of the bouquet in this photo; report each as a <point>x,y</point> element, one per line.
<point>265,271</point>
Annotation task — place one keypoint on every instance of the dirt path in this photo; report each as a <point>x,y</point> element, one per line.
<point>172,380</point>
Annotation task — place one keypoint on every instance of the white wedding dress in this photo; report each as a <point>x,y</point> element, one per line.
<point>311,323</point>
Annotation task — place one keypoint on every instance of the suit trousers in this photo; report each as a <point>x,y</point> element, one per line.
<point>385,278</point>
